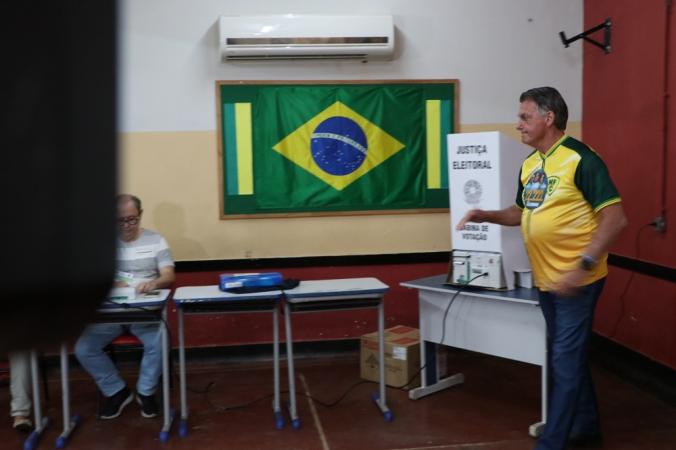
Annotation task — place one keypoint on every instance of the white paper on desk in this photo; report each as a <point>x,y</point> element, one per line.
<point>399,353</point>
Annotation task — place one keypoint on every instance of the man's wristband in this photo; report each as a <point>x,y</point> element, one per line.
<point>587,262</point>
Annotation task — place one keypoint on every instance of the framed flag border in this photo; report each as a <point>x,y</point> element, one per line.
<point>245,164</point>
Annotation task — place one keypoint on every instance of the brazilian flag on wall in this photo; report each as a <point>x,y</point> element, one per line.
<point>334,148</point>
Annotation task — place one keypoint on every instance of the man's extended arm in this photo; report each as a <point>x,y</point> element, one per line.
<point>612,221</point>
<point>510,216</point>
<point>165,279</point>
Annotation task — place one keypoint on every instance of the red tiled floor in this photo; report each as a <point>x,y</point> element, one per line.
<point>490,411</point>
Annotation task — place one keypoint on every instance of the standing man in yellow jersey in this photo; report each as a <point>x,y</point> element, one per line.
<point>570,213</point>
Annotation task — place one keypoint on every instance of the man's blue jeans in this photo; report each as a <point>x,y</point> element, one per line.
<point>572,400</point>
<point>89,351</point>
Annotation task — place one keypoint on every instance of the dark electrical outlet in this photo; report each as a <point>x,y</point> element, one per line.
<point>660,225</point>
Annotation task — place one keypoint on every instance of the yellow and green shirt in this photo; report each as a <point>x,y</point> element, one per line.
<point>560,194</point>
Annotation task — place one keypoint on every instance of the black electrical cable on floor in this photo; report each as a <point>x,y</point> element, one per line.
<point>211,385</point>
<point>300,394</point>
<point>209,388</point>
<point>443,330</point>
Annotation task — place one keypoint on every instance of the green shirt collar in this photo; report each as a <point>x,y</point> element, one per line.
<point>554,147</point>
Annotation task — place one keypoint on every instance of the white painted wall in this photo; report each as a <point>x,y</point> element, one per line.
<point>497,49</point>
<point>169,144</point>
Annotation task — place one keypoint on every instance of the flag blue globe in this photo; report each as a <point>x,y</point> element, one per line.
<point>339,145</point>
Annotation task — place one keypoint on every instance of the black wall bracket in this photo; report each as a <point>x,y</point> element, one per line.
<point>604,26</point>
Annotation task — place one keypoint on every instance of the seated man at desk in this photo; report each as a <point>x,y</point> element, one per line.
<point>144,262</point>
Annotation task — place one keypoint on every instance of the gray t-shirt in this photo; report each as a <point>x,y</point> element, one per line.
<point>142,259</point>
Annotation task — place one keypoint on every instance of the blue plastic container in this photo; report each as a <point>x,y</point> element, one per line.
<point>238,280</point>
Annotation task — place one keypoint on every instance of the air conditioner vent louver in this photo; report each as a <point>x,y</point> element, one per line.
<point>360,57</point>
<point>311,41</point>
<point>296,37</point>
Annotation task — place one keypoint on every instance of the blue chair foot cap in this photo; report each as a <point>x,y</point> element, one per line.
<point>183,428</point>
<point>60,442</point>
<point>388,416</point>
<point>296,424</point>
<point>375,396</point>
<point>164,436</point>
<point>279,420</point>
<point>77,419</point>
<point>32,441</point>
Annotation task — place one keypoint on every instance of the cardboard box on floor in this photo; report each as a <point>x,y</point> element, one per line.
<point>402,357</point>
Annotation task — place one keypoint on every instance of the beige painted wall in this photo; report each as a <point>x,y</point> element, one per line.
<point>176,176</point>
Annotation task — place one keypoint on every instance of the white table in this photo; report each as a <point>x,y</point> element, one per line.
<point>211,300</point>
<point>336,295</point>
<point>508,324</point>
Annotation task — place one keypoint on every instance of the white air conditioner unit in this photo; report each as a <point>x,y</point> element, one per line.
<point>292,36</point>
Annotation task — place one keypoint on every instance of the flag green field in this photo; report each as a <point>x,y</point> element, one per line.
<point>340,147</point>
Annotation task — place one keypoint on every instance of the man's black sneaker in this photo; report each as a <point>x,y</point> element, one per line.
<point>584,440</point>
<point>116,403</point>
<point>149,407</point>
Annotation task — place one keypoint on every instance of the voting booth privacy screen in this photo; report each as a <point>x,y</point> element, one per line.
<point>483,173</point>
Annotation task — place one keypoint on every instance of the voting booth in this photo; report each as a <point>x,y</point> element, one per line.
<point>483,170</point>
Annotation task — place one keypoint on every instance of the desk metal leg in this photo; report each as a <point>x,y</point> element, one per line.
<point>166,373</point>
<point>379,397</point>
<point>429,382</point>
<point>295,422</point>
<point>537,428</point>
<point>183,423</point>
<point>69,423</point>
<point>429,376</point>
<point>279,417</point>
<point>40,422</point>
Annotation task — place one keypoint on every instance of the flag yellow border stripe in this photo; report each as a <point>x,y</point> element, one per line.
<point>244,148</point>
<point>433,131</point>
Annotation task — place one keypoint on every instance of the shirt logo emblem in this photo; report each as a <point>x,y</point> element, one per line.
<point>534,190</point>
<point>552,184</point>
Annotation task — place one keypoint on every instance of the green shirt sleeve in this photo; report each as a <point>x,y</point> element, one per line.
<point>593,180</point>
<point>519,192</point>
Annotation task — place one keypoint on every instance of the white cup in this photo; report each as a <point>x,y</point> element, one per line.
<point>524,278</point>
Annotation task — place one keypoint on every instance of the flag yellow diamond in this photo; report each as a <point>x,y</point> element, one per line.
<point>372,146</point>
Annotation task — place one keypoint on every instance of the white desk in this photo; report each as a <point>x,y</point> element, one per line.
<point>506,324</point>
<point>336,295</point>
<point>211,300</point>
